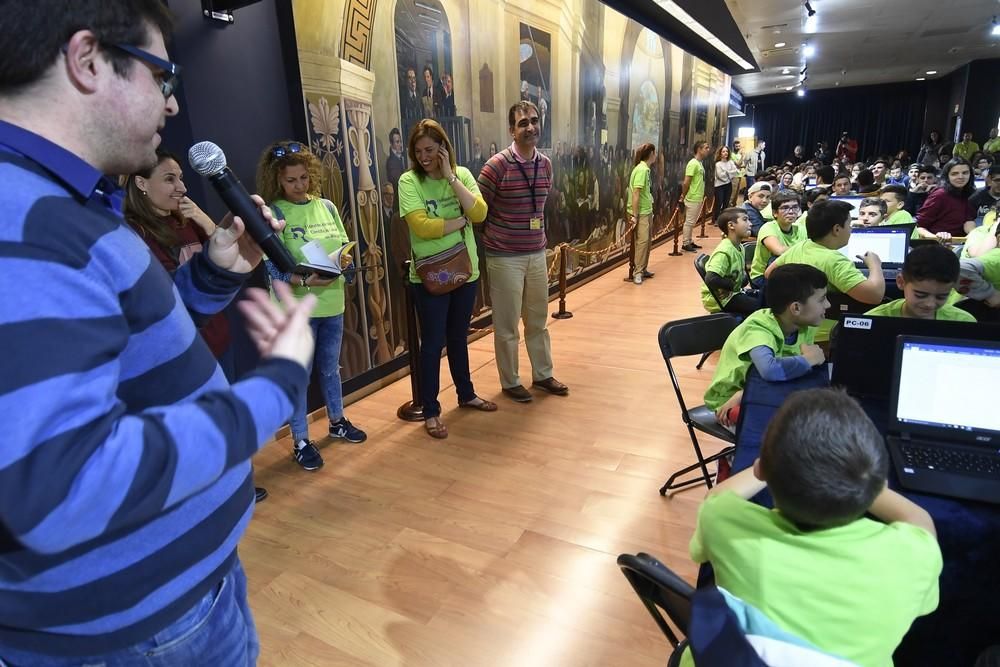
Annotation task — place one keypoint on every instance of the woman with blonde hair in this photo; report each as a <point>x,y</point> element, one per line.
<point>438,200</point>
<point>289,178</point>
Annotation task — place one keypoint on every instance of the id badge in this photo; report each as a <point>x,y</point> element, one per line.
<point>536,223</point>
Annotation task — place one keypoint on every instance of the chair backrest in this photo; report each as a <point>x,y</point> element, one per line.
<point>695,335</point>
<point>659,589</point>
<point>700,262</point>
<point>749,248</point>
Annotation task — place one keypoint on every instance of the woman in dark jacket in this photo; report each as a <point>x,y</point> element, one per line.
<point>947,212</point>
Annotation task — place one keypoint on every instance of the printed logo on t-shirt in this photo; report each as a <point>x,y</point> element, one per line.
<point>432,207</point>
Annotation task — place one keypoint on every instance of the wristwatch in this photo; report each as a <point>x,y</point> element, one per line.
<point>302,281</point>
<point>452,179</point>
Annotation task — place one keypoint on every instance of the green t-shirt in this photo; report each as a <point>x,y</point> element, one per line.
<point>852,591</point>
<point>759,328</point>
<point>976,236</point>
<point>696,190</point>
<point>726,261</point>
<point>741,167</point>
<point>991,267</point>
<point>437,199</point>
<point>900,217</point>
<point>762,256</point>
<point>965,149</point>
<point>946,312</point>
<point>839,270</point>
<point>318,221</point>
<point>640,179</point>
<point>992,146</point>
<point>768,213</point>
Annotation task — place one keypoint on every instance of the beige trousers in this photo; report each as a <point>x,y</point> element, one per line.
<point>519,289</point>
<point>641,244</point>
<point>692,211</point>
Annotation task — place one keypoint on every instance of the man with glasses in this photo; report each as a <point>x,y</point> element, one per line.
<point>125,480</point>
<point>515,184</point>
<point>777,236</point>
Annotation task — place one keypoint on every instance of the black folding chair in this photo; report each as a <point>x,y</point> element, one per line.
<point>681,338</point>
<point>749,248</point>
<point>660,589</point>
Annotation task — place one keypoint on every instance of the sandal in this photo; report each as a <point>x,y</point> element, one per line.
<point>483,404</point>
<point>440,431</point>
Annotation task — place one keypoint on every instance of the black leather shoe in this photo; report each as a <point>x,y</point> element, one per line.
<point>518,393</point>
<point>553,386</point>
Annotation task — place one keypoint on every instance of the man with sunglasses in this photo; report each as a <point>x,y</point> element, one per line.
<point>125,479</point>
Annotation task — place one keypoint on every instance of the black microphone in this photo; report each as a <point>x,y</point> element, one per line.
<point>208,160</point>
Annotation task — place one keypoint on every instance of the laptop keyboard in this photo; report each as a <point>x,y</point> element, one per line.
<point>945,459</point>
<point>888,274</point>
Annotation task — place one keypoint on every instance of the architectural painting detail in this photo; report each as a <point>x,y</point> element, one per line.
<point>356,46</point>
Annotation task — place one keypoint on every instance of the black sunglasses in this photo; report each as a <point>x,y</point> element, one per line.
<point>170,73</point>
<point>281,151</point>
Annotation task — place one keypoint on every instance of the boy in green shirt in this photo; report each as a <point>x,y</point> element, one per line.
<point>929,275</point>
<point>725,272</point>
<point>815,565</point>
<point>828,226</point>
<point>778,340</point>
<point>894,197</point>
<point>777,236</point>
<point>872,212</point>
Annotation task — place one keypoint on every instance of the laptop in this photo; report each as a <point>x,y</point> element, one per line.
<point>944,428</point>
<point>862,348</point>
<point>854,201</point>
<point>891,243</point>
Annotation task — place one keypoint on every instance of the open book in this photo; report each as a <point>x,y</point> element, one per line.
<point>327,265</point>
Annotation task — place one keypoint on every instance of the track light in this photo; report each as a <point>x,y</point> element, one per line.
<point>801,92</point>
<point>809,10</point>
<point>996,27</point>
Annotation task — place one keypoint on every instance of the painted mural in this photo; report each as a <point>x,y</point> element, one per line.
<point>603,84</point>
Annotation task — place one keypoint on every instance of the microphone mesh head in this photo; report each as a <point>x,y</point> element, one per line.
<point>206,158</point>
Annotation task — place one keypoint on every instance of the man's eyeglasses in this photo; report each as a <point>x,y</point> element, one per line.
<point>789,207</point>
<point>169,73</point>
<point>282,150</point>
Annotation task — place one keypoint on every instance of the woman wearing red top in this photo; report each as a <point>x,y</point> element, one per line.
<point>174,228</point>
<point>947,212</point>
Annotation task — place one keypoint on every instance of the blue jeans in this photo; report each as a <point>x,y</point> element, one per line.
<point>444,321</point>
<point>328,332</point>
<point>217,631</point>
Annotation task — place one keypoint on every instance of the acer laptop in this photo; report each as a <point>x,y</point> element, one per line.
<point>862,348</point>
<point>944,428</point>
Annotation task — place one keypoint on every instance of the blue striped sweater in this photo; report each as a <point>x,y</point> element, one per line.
<point>124,461</point>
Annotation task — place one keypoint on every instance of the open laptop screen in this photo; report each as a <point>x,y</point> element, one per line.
<point>891,245</point>
<point>855,203</point>
<point>941,388</point>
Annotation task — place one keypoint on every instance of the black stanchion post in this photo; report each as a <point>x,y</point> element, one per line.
<point>705,216</point>
<point>677,234</point>
<point>412,410</point>
<point>631,252</point>
<point>562,313</point>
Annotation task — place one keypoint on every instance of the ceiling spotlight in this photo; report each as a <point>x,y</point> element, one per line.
<point>784,70</point>
<point>804,69</point>
<point>931,72</point>
<point>800,92</point>
<point>778,45</point>
<point>789,87</point>
<point>809,10</point>
<point>808,50</point>
<point>996,27</point>
<point>920,78</point>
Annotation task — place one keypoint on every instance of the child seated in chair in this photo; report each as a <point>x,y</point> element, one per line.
<point>725,273</point>
<point>871,212</point>
<point>929,275</point>
<point>815,565</point>
<point>778,340</point>
<point>777,236</point>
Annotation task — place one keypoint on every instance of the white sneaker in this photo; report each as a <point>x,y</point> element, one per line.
<point>638,279</point>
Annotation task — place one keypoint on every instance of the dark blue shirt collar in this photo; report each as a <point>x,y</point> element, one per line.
<point>78,176</point>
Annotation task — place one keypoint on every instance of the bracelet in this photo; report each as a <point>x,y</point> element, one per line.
<point>452,179</point>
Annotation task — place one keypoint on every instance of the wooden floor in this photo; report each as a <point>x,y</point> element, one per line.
<point>496,546</point>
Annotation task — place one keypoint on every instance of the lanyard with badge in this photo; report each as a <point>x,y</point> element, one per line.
<point>536,218</point>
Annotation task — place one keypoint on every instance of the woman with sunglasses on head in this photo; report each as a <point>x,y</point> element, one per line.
<point>288,178</point>
<point>438,200</point>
